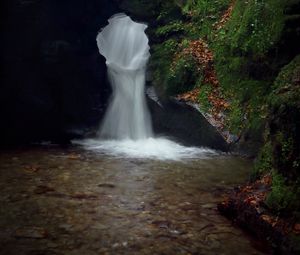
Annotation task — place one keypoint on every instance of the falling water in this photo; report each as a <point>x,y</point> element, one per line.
<point>126,130</point>
<point>124,44</point>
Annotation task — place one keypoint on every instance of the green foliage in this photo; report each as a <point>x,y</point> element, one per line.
<point>170,28</point>
<point>286,89</point>
<point>241,46</point>
<point>172,77</point>
<point>241,60</point>
<point>205,13</point>
<point>168,11</point>
<point>205,90</point>
<point>287,156</point>
<point>235,118</point>
<point>161,60</point>
<point>283,196</point>
<point>287,146</point>
<point>205,8</point>
<point>264,161</point>
<point>255,26</point>
<point>196,20</point>
<point>284,103</point>
<point>182,76</point>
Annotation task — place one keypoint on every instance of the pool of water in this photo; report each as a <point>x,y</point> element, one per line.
<point>76,201</point>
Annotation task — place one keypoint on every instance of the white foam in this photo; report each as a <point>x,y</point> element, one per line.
<point>150,148</point>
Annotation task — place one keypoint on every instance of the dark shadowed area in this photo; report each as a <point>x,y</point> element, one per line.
<point>53,80</point>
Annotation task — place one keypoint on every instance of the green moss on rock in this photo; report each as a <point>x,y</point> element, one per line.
<point>284,196</point>
<point>284,139</point>
<point>264,161</point>
<point>286,88</point>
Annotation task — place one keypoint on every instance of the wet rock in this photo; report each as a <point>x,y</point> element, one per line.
<point>177,232</point>
<point>31,169</point>
<point>52,245</point>
<point>84,196</point>
<point>106,185</point>
<point>115,245</point>
<point>31,232</point>
<point>212,241</point>
<point>66,227</point>
<point>100,226</point>
<point>186,124</point>
<point>74,156</point>
<point>162,224</point>
<point>25,196</point>
<point>209,206</point>
<point>244,207</point>
<point>42,189</point>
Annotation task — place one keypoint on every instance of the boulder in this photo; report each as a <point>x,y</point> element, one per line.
<point>185,124</point>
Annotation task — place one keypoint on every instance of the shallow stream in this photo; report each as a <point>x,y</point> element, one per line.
<point>75,201</point>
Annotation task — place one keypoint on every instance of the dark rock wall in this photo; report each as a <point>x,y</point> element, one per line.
<point>53,80</point>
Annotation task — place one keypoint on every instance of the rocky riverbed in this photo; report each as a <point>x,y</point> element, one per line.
<point>71,201</point>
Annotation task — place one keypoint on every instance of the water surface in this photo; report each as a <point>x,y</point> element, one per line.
<point>72,201</point>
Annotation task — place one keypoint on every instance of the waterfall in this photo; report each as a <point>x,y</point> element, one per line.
<point>126,130</point>
<point>124,44</point>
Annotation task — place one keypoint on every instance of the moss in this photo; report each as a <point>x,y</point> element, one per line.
<point>203,8</point>
<point>264,162</point>
<point>284,127</point>
<point>255,26</point>
<point>286,88</point>
<point>284,196</point>
<point>284,107</point>
<point>160,62</point>
<point>204,15</point>
<point>182,76</point>
<point>240,54</point>
<point>242,58</point>
<point>173,74</point>
<point>170,28</point>
<point>235,117</point>
<point>205,90</point>
<point>286,153</point>
<point>286,150</point>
